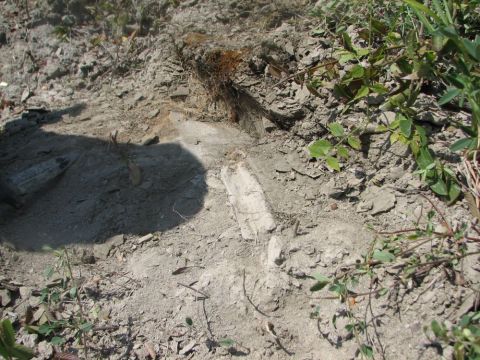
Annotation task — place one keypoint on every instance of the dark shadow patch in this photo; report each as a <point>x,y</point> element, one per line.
<point>94,198</point>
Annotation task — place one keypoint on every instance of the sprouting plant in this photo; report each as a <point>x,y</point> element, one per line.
<point>62,32</point>
<point>54,297</point>
<point>334,152</point>
<point>464,337</point>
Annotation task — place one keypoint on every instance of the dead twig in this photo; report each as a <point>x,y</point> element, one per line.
<point>79,303</point>
<point>303,72</point>
<point>440,213</point>
<point>193,289</point>
<point>209,329</point>
<point>377,335</point>
<point>176,212</point>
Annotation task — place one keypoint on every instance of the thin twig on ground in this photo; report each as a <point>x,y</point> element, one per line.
<point>193,289</point>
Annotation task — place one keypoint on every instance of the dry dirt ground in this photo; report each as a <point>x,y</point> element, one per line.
<point>217,235</point>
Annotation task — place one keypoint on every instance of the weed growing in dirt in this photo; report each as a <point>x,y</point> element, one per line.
<point>62,311</point>
<point>464,337</point>
<point>390,62</point>
<point>332,152</point>
<point>408,255</point>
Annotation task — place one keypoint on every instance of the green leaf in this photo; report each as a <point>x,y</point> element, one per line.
<point>342,151</point>
<point>354,142</point>
<point>3,351</point>
<point>45,329</point>
<point>338,288</point>
<point>453,193</point>
<point>342,91</point>
<point>394,124</point>
<point>396,101</point>
<point>425,158</point>
<point>422,134</point>
<point>320,148</point>
<point>379,26</point>
<point>346,57</point>
<point>57,340</point>
<point>318,286</point>
<point>86,327</point>
<point>333,163</point>
<point>366,351</point>
<point>362,51</point>
<point>457,81</point>
<point>449,95</point>
<point>420,7</point>
<point>8,334</point>
<point>336,129</point>
<point>21,352</point>
<point>347,42</point>
<point>406,126</point>
<point>382,292</point>
<point>362,92</point>
<point>383,256</point>
<point>320,277</point>
<point>467,143</point>
<point>48,272</point>
<point>472,49</point>
<point>379,89</point>
<point>73,292</point>
<point>226,342</point>
<point>357,72</point>
<point>322,281</point>
<point>8,347</point>
<point>426,23</point>
<point>438,330</point>
<point>440,188</point>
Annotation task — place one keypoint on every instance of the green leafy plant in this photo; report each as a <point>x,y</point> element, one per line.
<point>54,297</point>
<point>464,337</point>
<point>9,349</point>
<point>62,32</point>
<point>411,52</point>
<point>334,152</point>
<point>460,57</point>
<point>407,252</point>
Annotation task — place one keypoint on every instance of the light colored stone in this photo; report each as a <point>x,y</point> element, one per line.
<point>386,117</point>
<point>153,113</point>
<point>275,256</point>
<point>189,347</point>
<point>381,200</point>
<point>25,292</point>
<point>282,166</point>
<point>145,238</point>
<point>5,297</point>
<point>302,95</point>
<point>248,201</point>
<point>180,93</point>
<point>331,189</point>
<point>45,350</point>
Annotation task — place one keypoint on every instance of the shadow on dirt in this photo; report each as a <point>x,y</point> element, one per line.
<point>94,198</point>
